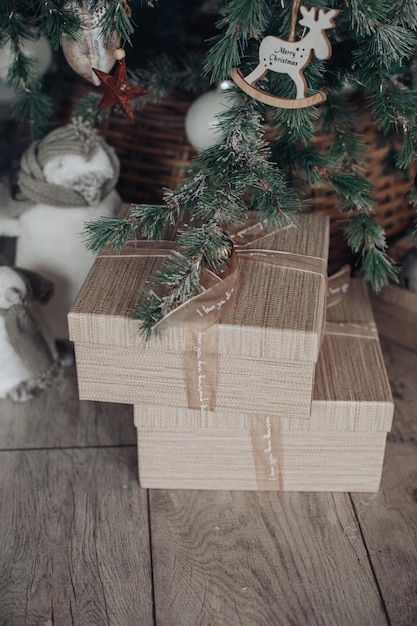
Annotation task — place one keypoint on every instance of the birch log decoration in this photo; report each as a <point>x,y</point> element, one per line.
<point>93,48</point>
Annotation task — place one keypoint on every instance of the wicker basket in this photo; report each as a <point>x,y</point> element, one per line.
<point>155,153</point>
<point>392,209</point>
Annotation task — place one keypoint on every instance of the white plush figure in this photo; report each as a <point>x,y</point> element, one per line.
<point>66,179</point>
<point>27,364</point>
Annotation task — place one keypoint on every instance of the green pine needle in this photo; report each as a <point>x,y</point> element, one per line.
<point>152,220</point>
<point>367,237</point>
<point>379,269</point>
<point>354,190</point>
<point>108,231</point>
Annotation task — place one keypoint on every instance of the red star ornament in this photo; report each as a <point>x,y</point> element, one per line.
<point>118,90</point>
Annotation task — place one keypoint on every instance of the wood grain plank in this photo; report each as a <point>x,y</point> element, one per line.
<point>257,559</point>
<point>388,519</point>
<point>74,545</point>
<point>57,418</point>
<point>388,522</point>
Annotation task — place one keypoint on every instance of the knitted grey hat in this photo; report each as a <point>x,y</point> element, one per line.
<point>76,138</point>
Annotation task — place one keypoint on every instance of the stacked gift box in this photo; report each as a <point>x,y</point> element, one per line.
<point>295,402</point>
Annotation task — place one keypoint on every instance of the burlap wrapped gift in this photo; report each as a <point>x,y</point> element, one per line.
<point>264,347</point>
<point>341,448</point>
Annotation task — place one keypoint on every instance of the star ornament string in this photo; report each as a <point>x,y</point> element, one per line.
<point>117,89</point>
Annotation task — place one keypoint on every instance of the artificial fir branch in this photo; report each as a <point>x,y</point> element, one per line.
<point>364,235</point>
<point>56,18</point>
<point>109,231</point>
<point>405,13</point>
<point>164,75</point>
<point>153,220</point>
<point>181,273</point>
<point>240,21</point>
<point>117,16</point>
<point>17,24</point>
<point>87,109</point>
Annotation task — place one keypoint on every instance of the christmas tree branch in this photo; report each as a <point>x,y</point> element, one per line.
<point>364,235</point>
<point>164,75</point>
<point>180,274</point>
<point>117,16</point>
<point>240,21</point>
<point>56,18</point>
<point>109,231</point>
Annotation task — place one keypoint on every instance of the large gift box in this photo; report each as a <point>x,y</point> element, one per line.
<point>259,357</point>
<point>341,448</point>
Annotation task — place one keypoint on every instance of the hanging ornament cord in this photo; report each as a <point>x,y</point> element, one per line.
<point>127,8</point>
<point>287,57</point>
<point>294,16</point>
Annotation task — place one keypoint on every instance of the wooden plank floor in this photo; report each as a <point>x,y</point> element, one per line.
<point>82,544</point>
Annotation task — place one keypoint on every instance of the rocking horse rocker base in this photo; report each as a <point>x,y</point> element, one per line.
<point>275,101</point>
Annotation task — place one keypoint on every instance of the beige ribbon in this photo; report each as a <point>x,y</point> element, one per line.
<point>267,453</point>
<point>338,286</point>
<point>362,330</point>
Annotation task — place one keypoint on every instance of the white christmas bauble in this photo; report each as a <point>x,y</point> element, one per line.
<point>39,49</point>
<point>202,122</point>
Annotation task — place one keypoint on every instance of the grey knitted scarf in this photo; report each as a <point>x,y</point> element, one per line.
<point>75,138</point>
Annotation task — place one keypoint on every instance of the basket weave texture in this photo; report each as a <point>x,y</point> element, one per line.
<point>155,153</point>
<point>392,209</point>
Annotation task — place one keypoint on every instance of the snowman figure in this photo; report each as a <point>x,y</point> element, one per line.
<point>65,180</point>
<point>27,362</point>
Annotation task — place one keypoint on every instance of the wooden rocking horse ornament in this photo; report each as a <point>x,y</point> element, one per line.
<point>291,57</point>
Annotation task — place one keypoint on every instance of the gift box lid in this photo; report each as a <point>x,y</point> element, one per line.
<point>351,391</point>
<point>277,311</point>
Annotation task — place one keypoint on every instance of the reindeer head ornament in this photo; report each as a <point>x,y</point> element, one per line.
<point>291,57</point>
